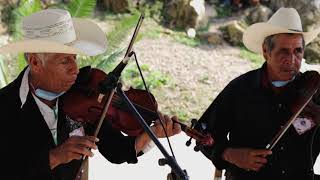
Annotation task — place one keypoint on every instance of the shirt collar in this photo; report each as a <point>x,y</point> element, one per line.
<point>266,82</point>
<point>24,87</point>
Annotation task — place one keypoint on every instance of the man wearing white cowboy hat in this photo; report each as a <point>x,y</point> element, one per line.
<point>39,140</point>
<point>252,108</point>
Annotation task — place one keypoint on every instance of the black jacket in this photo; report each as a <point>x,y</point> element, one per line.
<point>27,140</point>
<point>247,114</point>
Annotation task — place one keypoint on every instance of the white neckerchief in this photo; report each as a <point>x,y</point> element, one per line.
<point>49,115</point>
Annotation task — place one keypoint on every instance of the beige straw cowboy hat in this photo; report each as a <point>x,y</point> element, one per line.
<point>285,20</point>
<point>54,31</point>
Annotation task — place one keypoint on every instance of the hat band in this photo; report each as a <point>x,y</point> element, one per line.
<point>296,30</point>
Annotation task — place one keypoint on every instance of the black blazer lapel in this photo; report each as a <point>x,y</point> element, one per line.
<point>36,124</point>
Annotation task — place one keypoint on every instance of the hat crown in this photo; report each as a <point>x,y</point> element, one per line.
<point>287,18</point>
<point>50,24</point>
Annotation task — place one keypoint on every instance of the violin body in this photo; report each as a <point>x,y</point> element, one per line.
<point>300,93</point>
<point>84,103</point>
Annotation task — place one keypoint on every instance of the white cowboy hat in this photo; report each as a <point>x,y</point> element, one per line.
<point>285,20</point>
<point>54,31</point>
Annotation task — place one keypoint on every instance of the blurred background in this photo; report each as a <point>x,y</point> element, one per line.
<point>188,49</point>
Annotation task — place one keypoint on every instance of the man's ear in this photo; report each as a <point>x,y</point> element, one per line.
<point>264,51</point>
<point>34,62</point>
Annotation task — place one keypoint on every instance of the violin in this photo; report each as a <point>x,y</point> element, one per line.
<point>301,92</point>
<point>84,103</point>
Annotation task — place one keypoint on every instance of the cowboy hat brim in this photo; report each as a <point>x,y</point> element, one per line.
<point>255,34</point>
<point>90,41</point>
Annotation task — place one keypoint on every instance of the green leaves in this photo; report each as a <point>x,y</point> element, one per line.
<point>107,62</point>
<point>26,8</point>
<point>104,61</point>
<point>3,70</point>
<point>257,59</point>
<point>154,79</point>
<point>120,31</point>
<point>81,8</point>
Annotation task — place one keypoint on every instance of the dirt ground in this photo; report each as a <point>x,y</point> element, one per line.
<point>198,74</point>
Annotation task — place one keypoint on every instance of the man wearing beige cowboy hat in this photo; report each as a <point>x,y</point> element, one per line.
<point>252,108</point>
<point>40,141</point>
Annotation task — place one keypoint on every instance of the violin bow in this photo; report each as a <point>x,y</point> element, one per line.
<point>115,73</point>
<point>313,83</point>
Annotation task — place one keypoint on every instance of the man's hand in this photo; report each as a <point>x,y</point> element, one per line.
<point>170,127</point>
<point>74,147</point>
<point>246,158</point>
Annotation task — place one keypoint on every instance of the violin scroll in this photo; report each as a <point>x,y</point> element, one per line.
<point>201,138</point>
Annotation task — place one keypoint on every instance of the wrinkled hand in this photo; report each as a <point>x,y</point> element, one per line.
<point>170,127</point>
<point>246,158</point>
<point>312,111</point>
<point>74,147</point>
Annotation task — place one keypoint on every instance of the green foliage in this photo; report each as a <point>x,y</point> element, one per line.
<point>22,63</point>
<point>3,72</point>
<point>6,13</point>
<point>253,57</point>
<point>223,11</point>
<point>120,31</point>
<point>107,60</point>
<point>152,33</point>
<point>182,38</point>
<point>204,79</point>
<point>81,8</point>
<point>26,7</point>
<point>154,79</point>
<point>183,115</point>
<point>152,10</point>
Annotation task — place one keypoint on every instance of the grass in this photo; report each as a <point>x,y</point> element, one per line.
<point>256,59</point>
<point>183,115</point>
<point>154,79</point>
<point>182,38</point>
<point>204,79</point>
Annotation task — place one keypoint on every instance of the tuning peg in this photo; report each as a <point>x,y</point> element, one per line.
<point>193,122</point>
<point>188,142</point>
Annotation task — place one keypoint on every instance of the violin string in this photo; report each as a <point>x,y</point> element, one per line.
<point>190,132</point>
<point>150,97</point>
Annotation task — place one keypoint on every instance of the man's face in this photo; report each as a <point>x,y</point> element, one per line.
<point>58,73</point>
<point>284,60</point>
